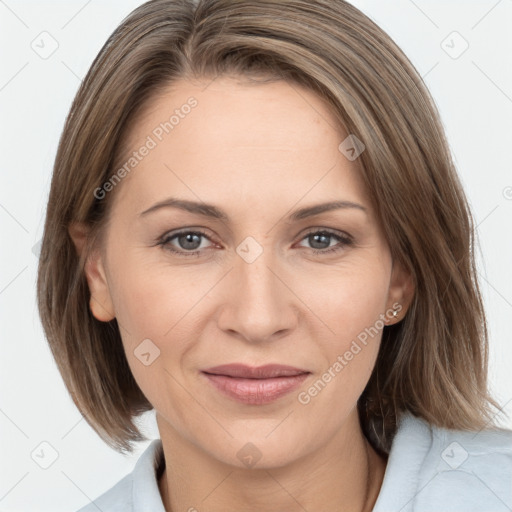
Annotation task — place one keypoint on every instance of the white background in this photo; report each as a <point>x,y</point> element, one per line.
<point>473,93</point>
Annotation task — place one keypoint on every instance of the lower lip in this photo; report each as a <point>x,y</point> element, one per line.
<point>256,391</point>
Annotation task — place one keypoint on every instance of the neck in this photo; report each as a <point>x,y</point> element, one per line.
<point>337,476</point>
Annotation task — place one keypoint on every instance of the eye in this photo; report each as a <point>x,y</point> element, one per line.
<point>188,242</point>
<point>321,241</point>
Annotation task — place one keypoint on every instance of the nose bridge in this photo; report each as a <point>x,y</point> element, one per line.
<point>258,303</point>
<point>253,269</point>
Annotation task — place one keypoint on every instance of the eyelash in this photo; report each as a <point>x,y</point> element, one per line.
<point>345,240</point>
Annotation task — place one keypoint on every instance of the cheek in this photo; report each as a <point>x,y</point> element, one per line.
<point>154,301</point>
<point>352,308</point>
<point>349,299</point>
<point>151,312</point>
<point>142,307</point>
<point>159,303</point>
<point>147,295</point>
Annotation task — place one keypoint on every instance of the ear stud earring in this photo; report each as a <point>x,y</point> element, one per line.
<point>393,314</point>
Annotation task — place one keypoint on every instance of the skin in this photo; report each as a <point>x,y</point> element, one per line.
<point>258,152</point>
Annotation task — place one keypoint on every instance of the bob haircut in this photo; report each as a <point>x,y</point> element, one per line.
<point>433,363</point>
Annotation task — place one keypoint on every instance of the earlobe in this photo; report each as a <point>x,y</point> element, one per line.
<point>100,303</point>
<point>401,293</point>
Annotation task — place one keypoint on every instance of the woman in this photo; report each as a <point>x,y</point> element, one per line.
<point>255,227</point>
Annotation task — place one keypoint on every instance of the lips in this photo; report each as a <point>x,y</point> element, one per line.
<point>255,372</point>
<point>255,385</point>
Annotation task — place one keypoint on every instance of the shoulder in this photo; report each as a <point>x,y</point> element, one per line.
<point>138,490</point>
<point>117,499</point>
<point>469,470</point>
<point>432,469</point>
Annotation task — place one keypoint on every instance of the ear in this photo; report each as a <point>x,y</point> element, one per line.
<point>400,294</point>
<point>100,303</point>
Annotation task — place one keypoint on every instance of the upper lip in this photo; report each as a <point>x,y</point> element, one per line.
<point>255,372</point>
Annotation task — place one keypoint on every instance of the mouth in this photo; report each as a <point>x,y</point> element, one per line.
<point>255,385</point>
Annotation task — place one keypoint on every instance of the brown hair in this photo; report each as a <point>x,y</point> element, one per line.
<point>432,363</point>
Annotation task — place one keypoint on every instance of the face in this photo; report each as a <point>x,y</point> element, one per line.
<point>257,277</point>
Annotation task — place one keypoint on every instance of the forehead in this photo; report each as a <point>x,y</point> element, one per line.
<point>227,138</point>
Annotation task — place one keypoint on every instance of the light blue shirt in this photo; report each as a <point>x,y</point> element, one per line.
<point>429,469</point>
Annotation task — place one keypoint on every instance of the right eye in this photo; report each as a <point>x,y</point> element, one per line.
<point>189,242</point>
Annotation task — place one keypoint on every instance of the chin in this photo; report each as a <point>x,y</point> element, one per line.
<point>263,450</point>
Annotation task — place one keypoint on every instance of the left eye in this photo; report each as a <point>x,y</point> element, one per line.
<point>319,237</point>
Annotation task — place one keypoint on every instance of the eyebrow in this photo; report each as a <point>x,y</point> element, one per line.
<point>210,210</point>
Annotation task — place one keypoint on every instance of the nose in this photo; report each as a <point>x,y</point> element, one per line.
<point>260,305</point>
